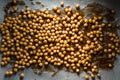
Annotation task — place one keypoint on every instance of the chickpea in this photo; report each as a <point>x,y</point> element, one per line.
<point>62,4</point>
<point>113,11</point>
<point>109,56</point>
<point>46,63</point>
<point>93,70</point>
<point>113,54</point>
<point>110,65</point>
<point>40,64</point>
<point>85,24</point>
<point>77,70</point>
<point>85,68</point>
<point>10,72</point>
<point>92,76</point>
<point>15,9</point>
<point>15,70</point>
<point>73,67</point>
<point>7,73</point>
<point>2,64</point>
<point>58,11</point>
<point>98,75</point>
<point>22,75</point>
<point>95,66</point>
<point>55,8</point>
<point>27,64</point>
<point>99,17</point>
<point>77,6</point>
<point>14,1</point>
<point>86,77</point>
<point>109,25</point>
<point>90,20</point>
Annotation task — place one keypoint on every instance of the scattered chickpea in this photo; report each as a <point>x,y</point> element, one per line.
<point>2,63</point>
<point>92,76</point>
<point>62,38</point>
<point>98,75</point>
<point>62,4</point>
<point>15,70</point>
<point>109,25</point>
<point>7,73</point>
<point>86,77</point>
<point>110,65</point>
<point>14,1</point>
<point>22,75</point>
<point>113,11</point>
<point>77,6</point>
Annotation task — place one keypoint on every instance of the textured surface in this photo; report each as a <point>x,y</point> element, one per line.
<point>62,75</point>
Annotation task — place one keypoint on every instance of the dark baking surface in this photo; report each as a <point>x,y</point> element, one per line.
<point>62,75</point>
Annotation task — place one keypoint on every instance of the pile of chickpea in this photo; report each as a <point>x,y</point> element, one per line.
<point>58,37</point>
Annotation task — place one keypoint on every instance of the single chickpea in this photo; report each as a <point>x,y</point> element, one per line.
<point>62,4</point>
<point>98,75</point>
<point>86,77</point>
<point>92,76</point>
<point>22,75</point>
<point>55,8</point>
<point>77,6</point>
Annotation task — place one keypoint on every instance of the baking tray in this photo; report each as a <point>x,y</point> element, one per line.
<point>113,74</point>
